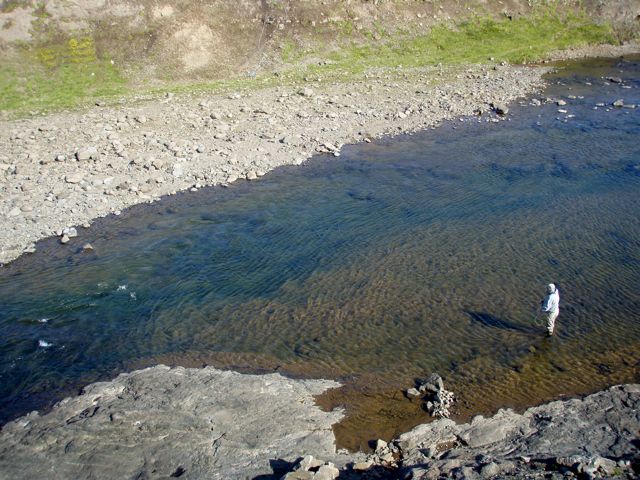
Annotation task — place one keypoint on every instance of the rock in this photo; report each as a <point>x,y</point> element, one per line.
<point>308,462</point>
<point>614,79</point>
<point>500,108</point>
<point>362,466</point>
<point>178,170</point>
<point>306,92</point>
<point>157,164</point>
<point>87,247</point>
<point>413,393</point>
<point>70,232</point>
<point>618,103</point>
<point>64,239</point>
<point>299,475</point>
<point>87,153</point>
<point>490,470</point>
<point>381,446</point>
<point>571,461</point>
<point>607,465</point>
<point>194,418</point>
<point>435,379</point>
<point>252,175</point>
<point>466,473</point>
<point>327,472</point>
<point>74,177</point>
<point>141,119</point>
<point>561,103</point>
<point>14,212</point>
<point>486,433</point>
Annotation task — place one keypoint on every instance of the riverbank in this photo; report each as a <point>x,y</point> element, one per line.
<point>166,422</point>
<point>66,169</point>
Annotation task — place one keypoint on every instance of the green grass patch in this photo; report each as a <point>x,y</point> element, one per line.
<point>7,6</point>
<point>57,76</point>
<point>69,73</point>
<point>524,39</point>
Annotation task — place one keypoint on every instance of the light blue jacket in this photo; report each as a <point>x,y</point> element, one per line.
<point>551,302</point>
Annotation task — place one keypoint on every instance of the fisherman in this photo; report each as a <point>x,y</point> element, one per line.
<point>550,306</point>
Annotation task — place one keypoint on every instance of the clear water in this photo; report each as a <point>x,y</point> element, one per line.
<point>405,256</point>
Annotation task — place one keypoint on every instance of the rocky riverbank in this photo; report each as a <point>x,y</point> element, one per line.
<point>165,422</point>
<point>67,169</point>
<point>206,423</point>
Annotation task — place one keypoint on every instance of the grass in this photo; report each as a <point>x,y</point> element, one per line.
<point>57,76</point>
<point>7,6</point>
<point>71,74</point>
<point>524,39</point>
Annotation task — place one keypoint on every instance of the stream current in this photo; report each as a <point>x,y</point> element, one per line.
<point>413,254</point>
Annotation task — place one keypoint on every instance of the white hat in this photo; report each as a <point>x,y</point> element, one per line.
<point>551,288</point>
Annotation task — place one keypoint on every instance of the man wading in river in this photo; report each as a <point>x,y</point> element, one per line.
<point>550,306</point>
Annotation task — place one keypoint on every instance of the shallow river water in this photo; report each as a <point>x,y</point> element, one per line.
<point>409,255</point>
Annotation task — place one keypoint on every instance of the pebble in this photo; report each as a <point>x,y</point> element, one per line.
<point>64,239</point>
<point>87,153</point>
<point>306,92</point>
<point>500,108</point>
<point>70,232</point>
<point>74,177</point>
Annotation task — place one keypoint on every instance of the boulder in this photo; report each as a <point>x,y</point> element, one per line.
<point>308,462</point>
<point>327,472</point>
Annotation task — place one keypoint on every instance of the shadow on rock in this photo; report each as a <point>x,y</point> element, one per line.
<point>279,467</point>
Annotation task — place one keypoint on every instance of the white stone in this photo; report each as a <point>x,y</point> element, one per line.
<point>74,177</point>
